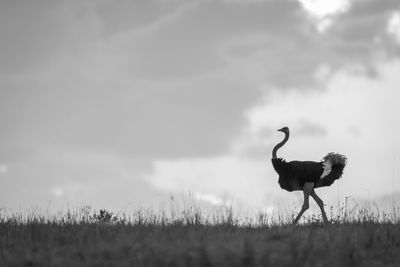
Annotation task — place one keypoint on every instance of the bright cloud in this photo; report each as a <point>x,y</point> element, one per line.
<point>212,199</point>
<point>394,26</point>
<point>356,117</point>
<point>324,12</point>
<point>323,8</point>
<point>220,180</point>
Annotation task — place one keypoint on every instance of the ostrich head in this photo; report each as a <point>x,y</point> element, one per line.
<point>284,130</point>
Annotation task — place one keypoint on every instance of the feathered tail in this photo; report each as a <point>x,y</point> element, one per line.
<point>334,164</point>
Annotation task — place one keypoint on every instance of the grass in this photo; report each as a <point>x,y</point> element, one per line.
<point>190,237</point>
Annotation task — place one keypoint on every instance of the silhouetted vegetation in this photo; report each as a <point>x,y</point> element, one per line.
<point>190,237</point>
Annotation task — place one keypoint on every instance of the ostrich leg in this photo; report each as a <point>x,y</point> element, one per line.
<point>320,203</point>
<point>307,189</point>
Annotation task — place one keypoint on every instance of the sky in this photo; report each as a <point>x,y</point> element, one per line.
<point>126,103</point>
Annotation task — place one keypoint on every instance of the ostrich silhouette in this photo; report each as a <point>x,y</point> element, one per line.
<point>307,175</point>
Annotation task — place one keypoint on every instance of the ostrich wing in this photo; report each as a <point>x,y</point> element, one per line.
<point>294,174</point>
<point>306,171</point>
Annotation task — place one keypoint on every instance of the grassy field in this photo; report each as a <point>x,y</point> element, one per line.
<point>99,238</point>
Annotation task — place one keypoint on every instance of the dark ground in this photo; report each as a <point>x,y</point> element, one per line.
<point>41,243</point>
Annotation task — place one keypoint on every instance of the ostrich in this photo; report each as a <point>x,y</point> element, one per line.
<point>307,175</point>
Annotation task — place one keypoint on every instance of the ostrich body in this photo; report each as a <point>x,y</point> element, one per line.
<point>307,175</point>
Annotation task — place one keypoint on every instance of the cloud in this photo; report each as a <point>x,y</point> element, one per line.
<point>172,39</point>
<point>172,81</point>
<point>178,120</point>
<point>3,168</point>
<point>309,128</point>
<point>321,9</point>
<point>59,176</point>
<point>188,44</point>
<point>325,13</point>
<point>334,124</point>
<point>359,37</point>
<point>37,34</point>
<point>213,200</point>
<point>181,88</point>
<point>214,177</point>
<point>393,26</point>
<point>133,15</point>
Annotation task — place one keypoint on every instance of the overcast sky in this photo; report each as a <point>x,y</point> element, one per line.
<point>123,103</point>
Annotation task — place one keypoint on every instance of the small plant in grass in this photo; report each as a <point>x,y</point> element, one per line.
<point>105,216</point>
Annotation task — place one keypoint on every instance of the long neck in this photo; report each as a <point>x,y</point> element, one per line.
<point>279,145</point>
